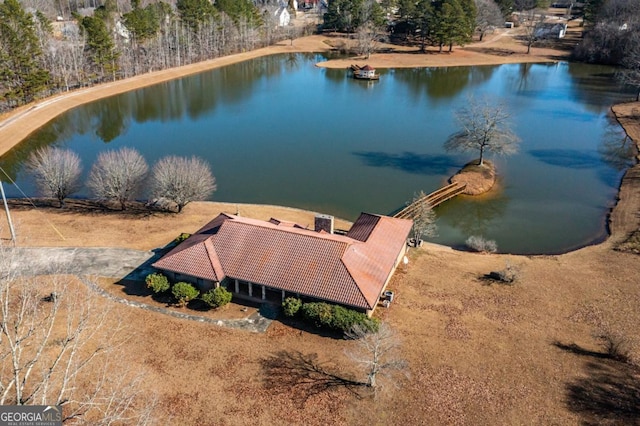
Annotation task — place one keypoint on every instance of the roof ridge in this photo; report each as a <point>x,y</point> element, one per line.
<point>353,278</point>
<point>298,231</point>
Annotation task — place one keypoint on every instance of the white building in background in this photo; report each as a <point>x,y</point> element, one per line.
<point>283,17</point>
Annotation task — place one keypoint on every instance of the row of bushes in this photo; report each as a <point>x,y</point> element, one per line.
<point>325,315</point>
<point>185,292</point>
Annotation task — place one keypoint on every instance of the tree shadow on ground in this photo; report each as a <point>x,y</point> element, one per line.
<point>304,375</point>
<point>609,391</point>
<point>135,209</point>
<point>409,162</point>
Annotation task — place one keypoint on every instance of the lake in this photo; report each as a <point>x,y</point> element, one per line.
<point>278,130</point>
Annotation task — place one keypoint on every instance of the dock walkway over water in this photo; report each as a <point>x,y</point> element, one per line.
<point>436,197</point>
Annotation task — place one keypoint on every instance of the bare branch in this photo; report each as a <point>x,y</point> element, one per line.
<point>118,175</point>
<point>182,180</point>
<point>57,172</point>
<point>57,347</point>
<point>485,127</point>
<point>378,353</point>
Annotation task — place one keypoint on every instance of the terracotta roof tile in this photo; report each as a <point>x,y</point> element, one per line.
<point>341,269</point>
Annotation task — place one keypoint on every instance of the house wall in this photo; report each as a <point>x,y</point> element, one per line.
<point>399,259</point>
<point>200,283</point>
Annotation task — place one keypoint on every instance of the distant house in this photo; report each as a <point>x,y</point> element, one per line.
<point>550,30</point>
<point>283,17</point>
<point>365,73</point>
<point>269,261</point>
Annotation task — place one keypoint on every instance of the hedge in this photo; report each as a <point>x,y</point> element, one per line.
<point>336,317</point>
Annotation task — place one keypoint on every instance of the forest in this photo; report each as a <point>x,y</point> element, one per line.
<point>47,47</point>
<point>51,46</point>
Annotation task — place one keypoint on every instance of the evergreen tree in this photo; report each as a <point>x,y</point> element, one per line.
<point>343,15</point>
<point>591,11</point>
<point>144,23</point>
<point>453,22</point>
<point>240,9</point>
<point>100,44</point>
<point>21,73</point>
<point>196,12</point>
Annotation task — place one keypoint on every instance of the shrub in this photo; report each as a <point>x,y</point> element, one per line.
<point>509,275</point>
<point>615,345</point>
<point>291,306</point>
<point>184,292</point>
<point>481,245</point>
<point>157,282</point>
<point>336,317</point>
<point>217,297</point>
<point>180,238</point>
<point>318,314</point>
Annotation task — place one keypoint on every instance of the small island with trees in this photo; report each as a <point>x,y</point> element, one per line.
<point>485,128</point>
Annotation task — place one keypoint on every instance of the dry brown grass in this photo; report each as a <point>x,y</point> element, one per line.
<point>523,354</point>
<point>477,354</point>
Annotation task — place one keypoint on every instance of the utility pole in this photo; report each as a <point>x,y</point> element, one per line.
<point>6,207</point>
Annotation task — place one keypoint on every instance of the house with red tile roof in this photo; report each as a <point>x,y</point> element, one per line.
<point>269,261</point>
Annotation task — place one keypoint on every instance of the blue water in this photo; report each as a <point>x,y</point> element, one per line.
<point>279,130</point>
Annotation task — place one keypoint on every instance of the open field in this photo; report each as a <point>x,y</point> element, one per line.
<point>478,354</point>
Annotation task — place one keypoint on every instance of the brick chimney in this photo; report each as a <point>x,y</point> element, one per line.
<point>324,222</point>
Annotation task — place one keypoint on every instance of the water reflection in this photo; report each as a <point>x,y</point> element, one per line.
<point>443,83</point>
<point>617,149</point>
<point>279,130</point>
<point>474,216</point>
<point>591,86</point>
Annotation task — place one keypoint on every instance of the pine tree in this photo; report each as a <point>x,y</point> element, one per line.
<point>196,12</point>
<point>101,45</point>
<point>21,71</point>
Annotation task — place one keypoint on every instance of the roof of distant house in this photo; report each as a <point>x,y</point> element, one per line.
<point>349,269</point>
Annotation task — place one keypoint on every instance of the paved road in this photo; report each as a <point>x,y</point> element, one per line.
<point>113,263</point>
<point>105,262</point>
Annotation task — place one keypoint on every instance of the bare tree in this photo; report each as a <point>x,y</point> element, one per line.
<point>57,172</point>
<point>489,16</point>
<point>485,127</point>
<point>424,218</point>
<point>378,352</point>
<point>532,21</point>
<point>369,30</point>
<point>57,348</point>
<point>631,62</point>
<point>118,175</point>
<point>182,180</point>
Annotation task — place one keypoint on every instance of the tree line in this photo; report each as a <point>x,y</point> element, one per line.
<point>120,39</point>
<point>119,175</point>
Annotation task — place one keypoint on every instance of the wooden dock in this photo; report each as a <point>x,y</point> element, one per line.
<point>436,197</point>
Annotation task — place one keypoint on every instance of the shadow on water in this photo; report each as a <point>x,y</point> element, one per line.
<point>425,164</point>
<point>613,156</point>
<point>570,158</point>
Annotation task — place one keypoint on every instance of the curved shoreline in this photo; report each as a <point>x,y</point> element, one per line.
<point>19,124</point>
